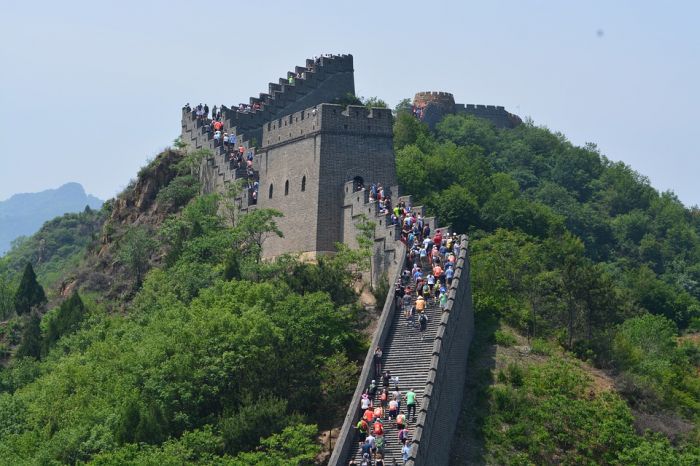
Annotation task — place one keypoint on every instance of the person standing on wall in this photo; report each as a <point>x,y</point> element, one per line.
<point>377,362</point>
<point>411,405</point>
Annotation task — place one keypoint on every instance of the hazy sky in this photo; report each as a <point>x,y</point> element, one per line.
<point>90,90</point>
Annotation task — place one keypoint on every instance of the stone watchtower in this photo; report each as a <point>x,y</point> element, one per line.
<point>304,162</point>
<point>306,149</point>
<point>430,107</point>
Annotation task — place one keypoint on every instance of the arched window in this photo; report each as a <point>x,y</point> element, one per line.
<point>286,187</point>
<point>269,195</point>
<point>303,183</point>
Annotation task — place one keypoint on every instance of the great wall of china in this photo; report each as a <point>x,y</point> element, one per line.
<point>308,155</point>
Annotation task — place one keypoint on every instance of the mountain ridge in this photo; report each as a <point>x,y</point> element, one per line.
<point>22,214</point>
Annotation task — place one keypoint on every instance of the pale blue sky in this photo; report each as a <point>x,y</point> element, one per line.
<point>90,90</point>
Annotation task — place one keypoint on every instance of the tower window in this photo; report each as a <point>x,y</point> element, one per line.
<point>269,194</point>
<point>303,183</point>
<point>286,188</point>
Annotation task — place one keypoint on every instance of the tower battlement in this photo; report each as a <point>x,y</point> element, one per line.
<point>432,106</point>
<point>352,120</point>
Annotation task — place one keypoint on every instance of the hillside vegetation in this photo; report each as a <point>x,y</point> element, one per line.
<point>162,337</point>
<point>573,252</point>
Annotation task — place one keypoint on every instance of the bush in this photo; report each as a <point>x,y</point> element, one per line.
<point>504,338</point>
<point>178,192</point>
<point>541,346</point>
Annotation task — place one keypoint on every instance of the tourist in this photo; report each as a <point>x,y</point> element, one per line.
<point>393,409</point>
<point>420,305</point>
<point>386,378</point>
<point>365,402</point>
<point>378,427</point>
<point>362,430</point>
<point>401,425</point>
<point>378,413</point>
<point>396,395</point>
<point>377,362</point>
<point>411,404</point>
<point>422,325</point>
<point>379,447</point>
<point>405,451</point>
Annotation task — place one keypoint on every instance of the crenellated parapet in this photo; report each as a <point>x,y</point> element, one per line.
<point>431,107</point>
<point>329,118</point>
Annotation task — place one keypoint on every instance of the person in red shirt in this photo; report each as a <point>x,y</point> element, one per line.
<point>437,239</point>
<point>378,427</point>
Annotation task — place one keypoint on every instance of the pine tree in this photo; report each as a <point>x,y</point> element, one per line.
<point>30,345</point>
<point>66,320</point>
<point>29,293</point>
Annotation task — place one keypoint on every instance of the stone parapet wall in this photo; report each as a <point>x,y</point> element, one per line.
<point>347,433</point>
<point>442,399</point>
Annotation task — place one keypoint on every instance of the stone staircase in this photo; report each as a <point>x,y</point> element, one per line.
<point>407,356</point>
<point>221,171</point>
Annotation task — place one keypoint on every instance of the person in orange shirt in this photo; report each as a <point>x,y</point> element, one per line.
<point>420,305</point>
<point>438,273</point>
<point>369,415</point>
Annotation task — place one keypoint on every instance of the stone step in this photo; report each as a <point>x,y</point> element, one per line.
<point>408,356</point>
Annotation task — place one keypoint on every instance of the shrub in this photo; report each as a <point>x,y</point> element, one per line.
<point>178,192</point>
<point>504,338</point>
<point>541,346</point>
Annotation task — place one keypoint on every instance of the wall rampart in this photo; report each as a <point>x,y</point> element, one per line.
<point>347,433</point>
<point>442,399</point>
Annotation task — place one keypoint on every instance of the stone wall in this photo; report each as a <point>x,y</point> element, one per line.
<point>435,105</point>
<point>327,146</point>
<point>346,436</point>
<point>442,399</point>
<point>495,114</point>
<point>291,172</point>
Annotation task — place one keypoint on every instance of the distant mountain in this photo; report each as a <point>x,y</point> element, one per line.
<point>23,214</point>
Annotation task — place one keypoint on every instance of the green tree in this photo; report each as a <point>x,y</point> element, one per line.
<point>29,293</point>
<point>30,344</point>
<point>373,102</point>
<point>294,446</point>
<point>253,228</point>
<point>7,296</point>
<point>408,130</point>
<point>135,249</point>
<point>243,429</point>
<point>66,320</point>
<point>404,106</point>
<point>338,380</point>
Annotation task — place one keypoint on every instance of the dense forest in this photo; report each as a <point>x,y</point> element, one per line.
<point>187,348</point>
<point>582,258</point>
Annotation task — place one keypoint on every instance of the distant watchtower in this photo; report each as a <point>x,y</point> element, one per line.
<point>431,107</point>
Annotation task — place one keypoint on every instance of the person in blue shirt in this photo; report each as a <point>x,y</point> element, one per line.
<point>449,273</point>
<point>405,451</point>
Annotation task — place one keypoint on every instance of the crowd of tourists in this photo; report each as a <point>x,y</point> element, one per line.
<point>430,267</point>
<point>234,151</point>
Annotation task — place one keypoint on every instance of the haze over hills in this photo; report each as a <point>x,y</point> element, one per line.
<point>24,213</point>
